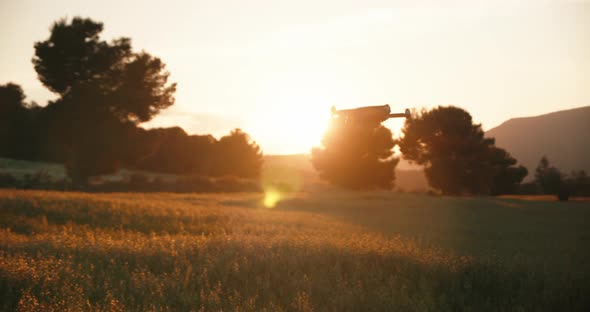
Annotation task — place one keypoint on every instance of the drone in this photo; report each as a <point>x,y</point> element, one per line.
<point>378,113</point>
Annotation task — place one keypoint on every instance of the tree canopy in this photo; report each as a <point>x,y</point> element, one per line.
<point>12,99</point>
<point>74,62</point>
<point>548,178</point>
<point>105,91</point>
<point>456,156</point>
<point>18,136</point>
<point>356,155</point>
<point>104,87</point>
<point>172,150</point>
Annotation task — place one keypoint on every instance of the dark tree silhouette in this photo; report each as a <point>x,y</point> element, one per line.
<point>172,150</point>
<point>12,99</point>
<point>105,90</point>
<point>74,55</point>
<point>96,151</point>
<point>507,176</point>
<point>548,178</point>
<point>141,91</point>
<point>236,154</point>
<point>580,183</point>
<point>12,112</point>
<point>356,155</point>
<point>551,181</point>
<point>456,156</point>
<point>18,134</point>
<point>74,62</point>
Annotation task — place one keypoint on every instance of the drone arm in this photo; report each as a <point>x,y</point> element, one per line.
<point>406,114</point>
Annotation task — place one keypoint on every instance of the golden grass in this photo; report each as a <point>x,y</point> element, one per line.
<point>213,252</point>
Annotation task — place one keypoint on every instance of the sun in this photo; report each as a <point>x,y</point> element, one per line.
<point>288,120</point>
<point>290,131</point>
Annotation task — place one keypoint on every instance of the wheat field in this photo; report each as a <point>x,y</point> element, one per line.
<point>373,251</point>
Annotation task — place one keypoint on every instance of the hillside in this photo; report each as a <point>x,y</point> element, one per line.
<point>563,136</point>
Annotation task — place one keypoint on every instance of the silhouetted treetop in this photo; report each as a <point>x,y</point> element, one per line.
<point>356,155</point>
<point>11,99</point>
<point>456,156</point>
<point>446,130</point>
<point>171,150</point>
<point>74,54</point>
<point>548,178</point>
<point>142,91</point>
<point>506,174</point>
<point>74,62</point>
<point>105,90</point>
<point>18,120</point>
<point>237,155</point>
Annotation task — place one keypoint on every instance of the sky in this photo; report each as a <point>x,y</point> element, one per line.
<point>274,68</point>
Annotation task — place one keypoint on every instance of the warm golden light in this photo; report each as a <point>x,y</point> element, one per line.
<point>276,72</point>
<point>271,198</point>
<point>292,124</point>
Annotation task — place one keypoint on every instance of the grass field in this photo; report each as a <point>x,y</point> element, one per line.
<point>314,252</point>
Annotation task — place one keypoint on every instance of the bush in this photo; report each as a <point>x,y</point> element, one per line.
<point>235,184</point>
<point>139,182</point>
<point>38,180</point>
<point>529,188</point>
<point>7,180</point>
<point>563,194</point>
<point>135,182</point>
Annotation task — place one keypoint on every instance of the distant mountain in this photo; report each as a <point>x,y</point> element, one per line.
<point>563,136</point>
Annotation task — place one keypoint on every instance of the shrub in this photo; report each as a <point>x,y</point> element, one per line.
<point>7,180</point>
<point>38,180</point>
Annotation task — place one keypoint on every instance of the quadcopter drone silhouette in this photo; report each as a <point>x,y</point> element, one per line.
<point>378,113</point>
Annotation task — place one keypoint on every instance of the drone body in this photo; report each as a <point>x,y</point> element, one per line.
<point>369,114</point>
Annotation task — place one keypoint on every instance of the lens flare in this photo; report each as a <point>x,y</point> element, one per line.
<point>271,198</point>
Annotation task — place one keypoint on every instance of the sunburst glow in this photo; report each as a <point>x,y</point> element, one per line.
<point>293,120</point>
<point>271,198</point>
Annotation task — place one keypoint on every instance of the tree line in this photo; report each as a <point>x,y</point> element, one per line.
<point>105,91</point>
<point>456,156</point>
<point>550,180</point>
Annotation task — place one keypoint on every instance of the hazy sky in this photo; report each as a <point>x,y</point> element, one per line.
<point>274,68</point>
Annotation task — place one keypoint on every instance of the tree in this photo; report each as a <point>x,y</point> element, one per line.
<point>105,91</point>
<point>507,176</point>
<point>12,99</point>
<point>12,112</point>
<point>237,155</point>
<point>18,134</point>
<point>356,155</point>
<point>456,156</point>
<point>172,150</point>
<point>96,150</point>
<point>580,183</point>
<point>547,177</point>
<point>106,76</point>
<point>74,55</point>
